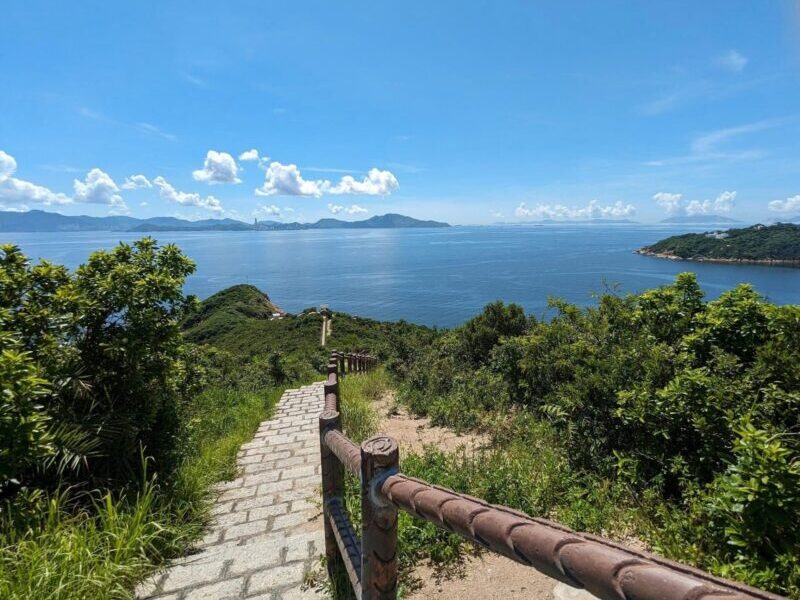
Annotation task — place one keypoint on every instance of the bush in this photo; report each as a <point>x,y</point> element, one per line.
<point>107,341</point>
<point>689,408</point>
<point>24,437</point>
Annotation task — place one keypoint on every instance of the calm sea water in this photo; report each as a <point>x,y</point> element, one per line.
<point>431,276</point>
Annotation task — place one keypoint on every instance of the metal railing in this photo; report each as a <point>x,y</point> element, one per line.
<point>606,569</point>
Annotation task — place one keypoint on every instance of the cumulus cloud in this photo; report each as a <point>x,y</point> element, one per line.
<point>8,165</point>
<point>668,201</point>
<point>789,205</point>
<point>219,167</point>
<point>97,188</point>
<point>733,61</point>
<point>248,155</point>
<point>19,191</point>
<point>286,180</point>
<point>267,210</point>
<point>593,210</point>
<point>376,183</point>
<point>18,208</point>
<point>169,193</point>
<point>674,204</point>
<point>353,209</point>
<point>136,181</point>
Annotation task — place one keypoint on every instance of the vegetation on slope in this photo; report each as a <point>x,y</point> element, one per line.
<point>658,415</point>
<point>759,243</point>
<point>238,320</point>
<point>112,428</point>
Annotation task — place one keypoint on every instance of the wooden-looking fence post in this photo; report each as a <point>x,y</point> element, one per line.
<point>332,486</point>
<point>379,458</point>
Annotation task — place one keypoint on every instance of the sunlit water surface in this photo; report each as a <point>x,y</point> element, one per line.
<point>430,276</point>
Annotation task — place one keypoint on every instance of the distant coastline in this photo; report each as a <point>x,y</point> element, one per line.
<point>729,261</point>
<point>42,221</point>
<point>770,245</point>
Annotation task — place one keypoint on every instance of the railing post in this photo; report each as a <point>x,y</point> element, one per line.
<point>332,486</point>
<point>379,457</point>
<point>340,362</point>
<point>331,391</point>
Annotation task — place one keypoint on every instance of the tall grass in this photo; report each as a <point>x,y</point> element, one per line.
<point>358,393</point>
<point>98,545</point>
<point>98,551</point>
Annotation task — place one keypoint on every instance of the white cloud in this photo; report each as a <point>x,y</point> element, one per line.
<point>709,141</point>
<point>733,61</point>
<point>267,210</point>
<point>593,210</point>
<point>675,205</point>
<point>376,183</point>
<point>98,188</point>
<point>789,205</point>
<point>353,209</point>
<point>286,180</point>
<point>169,193</point>
<point>18,208</point>
<point>670,202</point>
<point>219,167</point>
<point>8,165</point>
<point>251,154</point>
<point>725,201</point>
<point>19,191</point>
<point>152,129</point>
<point>136,181</point>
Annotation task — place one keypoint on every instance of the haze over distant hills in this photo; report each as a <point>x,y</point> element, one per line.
<point>38,220</point>
<point>699,219</point>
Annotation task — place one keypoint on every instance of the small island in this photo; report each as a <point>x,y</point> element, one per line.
<point>777,244</point>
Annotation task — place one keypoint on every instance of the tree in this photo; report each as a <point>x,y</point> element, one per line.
<point>106,340</point>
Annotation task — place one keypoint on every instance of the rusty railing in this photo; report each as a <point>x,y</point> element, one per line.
<point>604,568</point>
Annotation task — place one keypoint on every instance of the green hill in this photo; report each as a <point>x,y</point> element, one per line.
<point>774,244</point>
<point>240,320</point>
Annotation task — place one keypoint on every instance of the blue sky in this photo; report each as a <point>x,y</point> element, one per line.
<point>468,112</point>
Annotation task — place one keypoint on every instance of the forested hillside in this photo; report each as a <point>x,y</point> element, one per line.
<point>760,243</point>
<point>239,320</point>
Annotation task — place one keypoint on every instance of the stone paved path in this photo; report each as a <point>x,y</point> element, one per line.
<point>265,536</point>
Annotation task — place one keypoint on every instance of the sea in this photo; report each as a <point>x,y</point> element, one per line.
<point>437,277</point>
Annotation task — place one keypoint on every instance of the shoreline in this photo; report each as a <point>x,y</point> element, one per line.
<point>733,261</point>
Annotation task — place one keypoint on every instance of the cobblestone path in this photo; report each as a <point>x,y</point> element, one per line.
<point>265,536</point>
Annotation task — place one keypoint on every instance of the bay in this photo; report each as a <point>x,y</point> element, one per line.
<point>430,276</point>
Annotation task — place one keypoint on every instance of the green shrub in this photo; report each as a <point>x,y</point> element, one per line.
<point>646,395</point>
<point>24,437</point>
<point>107,340</point>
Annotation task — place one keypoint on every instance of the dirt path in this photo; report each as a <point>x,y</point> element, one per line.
<point>488,576</point>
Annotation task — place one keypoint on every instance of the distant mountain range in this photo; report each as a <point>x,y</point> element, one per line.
<point>39,220</point>
<point>700,220</point>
